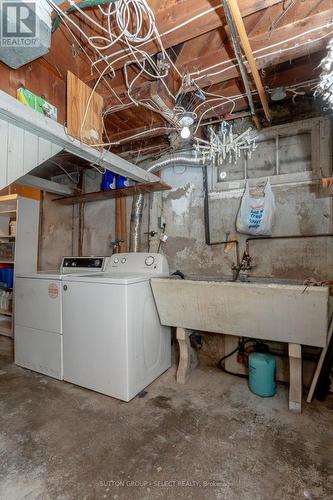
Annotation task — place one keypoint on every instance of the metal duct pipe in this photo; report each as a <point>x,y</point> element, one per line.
<point>138,201</point>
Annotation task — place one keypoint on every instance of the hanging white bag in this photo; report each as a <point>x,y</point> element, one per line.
<point>256,215</point>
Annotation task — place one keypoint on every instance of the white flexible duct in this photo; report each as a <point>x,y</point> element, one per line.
<point>138,201</point>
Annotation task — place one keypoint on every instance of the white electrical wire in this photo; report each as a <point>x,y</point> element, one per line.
<point>234,98</point>
<point>135,136</point>
<point>123,13</point>
<point>284,49</point>
<point>171,30</point>
<point>138,15</point>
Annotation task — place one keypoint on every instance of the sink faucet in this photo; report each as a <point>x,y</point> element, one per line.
<point>244,265</point>
<point>116,245</point>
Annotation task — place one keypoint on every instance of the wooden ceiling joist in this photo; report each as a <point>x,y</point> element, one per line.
<point>199,42</point>
<point>268,51</point>
<point>289,74</point>
<point>185,20</point>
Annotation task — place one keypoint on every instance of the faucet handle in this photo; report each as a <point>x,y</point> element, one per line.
<point>246,262</point>
<point>253,262</point>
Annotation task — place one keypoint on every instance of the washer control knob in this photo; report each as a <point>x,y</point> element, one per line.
<point>97,262</point>
<point>123,260</point>
<point>116,260</point>
<point>149,261</point>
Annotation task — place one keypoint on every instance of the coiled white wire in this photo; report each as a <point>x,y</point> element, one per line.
<point>124,10</point>
<point>131,23</point>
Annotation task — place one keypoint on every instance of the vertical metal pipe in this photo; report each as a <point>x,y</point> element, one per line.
<point>238,54</point>
<point>138,201</point>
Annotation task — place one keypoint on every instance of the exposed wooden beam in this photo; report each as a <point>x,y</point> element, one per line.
<point>114,193</point>
<point>194,17</point>
<point>266,56</point>
<point>300,70</point>
<point>288,75</point>
<point>217,66</point>
<point>141,133</point>
<point>237,18</point>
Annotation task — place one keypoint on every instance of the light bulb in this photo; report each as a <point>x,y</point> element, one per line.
<point>185,132</point>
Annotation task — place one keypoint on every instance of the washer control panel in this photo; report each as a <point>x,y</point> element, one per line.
<point>149,263</point>
<point>83,264</point>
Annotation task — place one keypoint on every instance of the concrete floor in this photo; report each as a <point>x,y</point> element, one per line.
<point>58,441</point>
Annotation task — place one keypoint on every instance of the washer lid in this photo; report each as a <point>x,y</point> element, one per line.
<point>111,278</point>
<point>47,275</point>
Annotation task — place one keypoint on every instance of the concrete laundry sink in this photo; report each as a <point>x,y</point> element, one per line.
<point>278,310</point>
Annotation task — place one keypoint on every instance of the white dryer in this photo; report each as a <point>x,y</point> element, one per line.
<point>113,340</point>
<point>38,339</point>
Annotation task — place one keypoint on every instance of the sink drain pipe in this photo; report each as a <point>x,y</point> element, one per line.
<point>138,200</point>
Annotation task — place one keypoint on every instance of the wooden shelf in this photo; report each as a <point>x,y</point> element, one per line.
<point>8,213</point>
<point>5,313</point>
<point>4,261</point>
<point>150,187</point>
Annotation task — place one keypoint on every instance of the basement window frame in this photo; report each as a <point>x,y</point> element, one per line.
<point>319,129</point>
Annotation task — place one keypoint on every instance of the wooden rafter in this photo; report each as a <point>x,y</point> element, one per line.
<point>220,58</point>
<point>203,49</point>
<point>206,14</point>
<point>287,74</point>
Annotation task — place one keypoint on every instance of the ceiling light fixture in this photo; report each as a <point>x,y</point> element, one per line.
<point>185,132</point>
<point>225,145</point>
<point>186,121</point>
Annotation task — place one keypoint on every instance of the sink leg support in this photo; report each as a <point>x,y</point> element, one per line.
<point>187,355</point>
<point>295,377</point>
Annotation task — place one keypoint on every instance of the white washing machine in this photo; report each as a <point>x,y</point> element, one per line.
<point>113,340</point>
<point>38,339</point>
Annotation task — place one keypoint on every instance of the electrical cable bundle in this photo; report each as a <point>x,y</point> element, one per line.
<point>129,26</point>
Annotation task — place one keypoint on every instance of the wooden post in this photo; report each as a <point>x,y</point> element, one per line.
<point>187,355</point>
<point>121,223</point>
<point>184,355</point>
<point>295,377</point>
